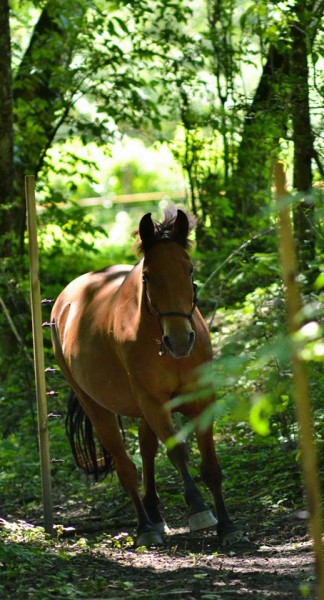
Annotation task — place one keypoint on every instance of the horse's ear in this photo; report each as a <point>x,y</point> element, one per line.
<point>181,225</point>
<point>146,231</point>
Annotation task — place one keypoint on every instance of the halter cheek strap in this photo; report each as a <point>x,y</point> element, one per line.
<point>161,315</point>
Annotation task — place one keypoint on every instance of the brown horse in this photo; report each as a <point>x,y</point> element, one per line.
<point>129,339</point>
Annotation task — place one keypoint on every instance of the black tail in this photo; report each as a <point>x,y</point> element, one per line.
<point>89,454</point>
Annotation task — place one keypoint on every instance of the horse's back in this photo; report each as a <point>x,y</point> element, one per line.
<point>91,284</point>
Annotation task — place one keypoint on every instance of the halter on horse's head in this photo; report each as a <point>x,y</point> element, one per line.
<point>169,291</point>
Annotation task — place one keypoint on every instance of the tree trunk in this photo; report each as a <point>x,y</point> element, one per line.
<point>303,141</point>
<point>6,132</point>
<point>263,126</point>
<point>42,92</point>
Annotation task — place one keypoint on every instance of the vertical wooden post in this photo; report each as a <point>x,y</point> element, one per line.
<point>36,310</point>
<point>302,396</point>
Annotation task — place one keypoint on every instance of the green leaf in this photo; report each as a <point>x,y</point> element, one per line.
<point>260,413</point>
<point>319,283</point>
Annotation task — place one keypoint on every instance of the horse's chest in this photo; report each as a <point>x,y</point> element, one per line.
<point>161,376</point>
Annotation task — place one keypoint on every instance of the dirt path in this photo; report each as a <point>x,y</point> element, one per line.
<point>93,557</point>
<point>278,571</point>
<point>96,560</point>
<point>276,563</point>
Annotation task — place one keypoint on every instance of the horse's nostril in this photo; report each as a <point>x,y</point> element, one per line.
<point>166,342</point>
<point>191,339</point>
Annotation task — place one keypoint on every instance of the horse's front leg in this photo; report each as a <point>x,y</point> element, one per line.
<point>211,473</point>
<point>199,514</point>
<point>160,421</point>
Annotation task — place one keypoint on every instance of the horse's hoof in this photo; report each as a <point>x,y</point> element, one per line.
<point>149,538</point>
<point>162,527</point>
<point>202,520</point>
<point>234,536</point>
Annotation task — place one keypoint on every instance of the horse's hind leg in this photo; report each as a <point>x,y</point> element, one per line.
<point>107,429</point>
<point>149,445</point>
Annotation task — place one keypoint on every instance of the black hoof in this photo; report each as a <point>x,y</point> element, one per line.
<point>149,538</point>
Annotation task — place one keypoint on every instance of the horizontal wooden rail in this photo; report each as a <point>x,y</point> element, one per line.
<point>110,200</point>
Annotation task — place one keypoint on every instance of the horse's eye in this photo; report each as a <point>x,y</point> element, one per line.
<point>145,278</point>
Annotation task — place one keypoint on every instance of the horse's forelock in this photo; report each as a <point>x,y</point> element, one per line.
<point>165,230</point>
<point>171,213</point>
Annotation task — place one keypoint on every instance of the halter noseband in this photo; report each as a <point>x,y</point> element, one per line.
<point>171,313</point>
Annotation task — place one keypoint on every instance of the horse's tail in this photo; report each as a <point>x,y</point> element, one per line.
<point>89,454</point>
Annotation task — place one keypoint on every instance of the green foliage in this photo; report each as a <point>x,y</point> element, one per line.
<point>251,376</point>
<point>94,74</point>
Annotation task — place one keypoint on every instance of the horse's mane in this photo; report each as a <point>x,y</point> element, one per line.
<point>165,230</point>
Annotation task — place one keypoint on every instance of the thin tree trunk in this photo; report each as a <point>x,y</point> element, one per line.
<point>302,392</point>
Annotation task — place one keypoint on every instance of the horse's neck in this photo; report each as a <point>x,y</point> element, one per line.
<point>125,311</point>
<point>130,291</point>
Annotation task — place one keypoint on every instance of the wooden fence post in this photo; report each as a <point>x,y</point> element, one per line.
<point>36,310</point>
<point>302,396</point>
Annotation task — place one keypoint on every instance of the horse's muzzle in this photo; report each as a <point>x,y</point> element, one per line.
<point>179,347</point>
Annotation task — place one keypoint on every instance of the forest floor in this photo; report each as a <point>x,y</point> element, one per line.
<point>92,556</point>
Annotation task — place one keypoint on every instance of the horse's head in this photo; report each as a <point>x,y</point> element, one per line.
<point>167,278</point>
